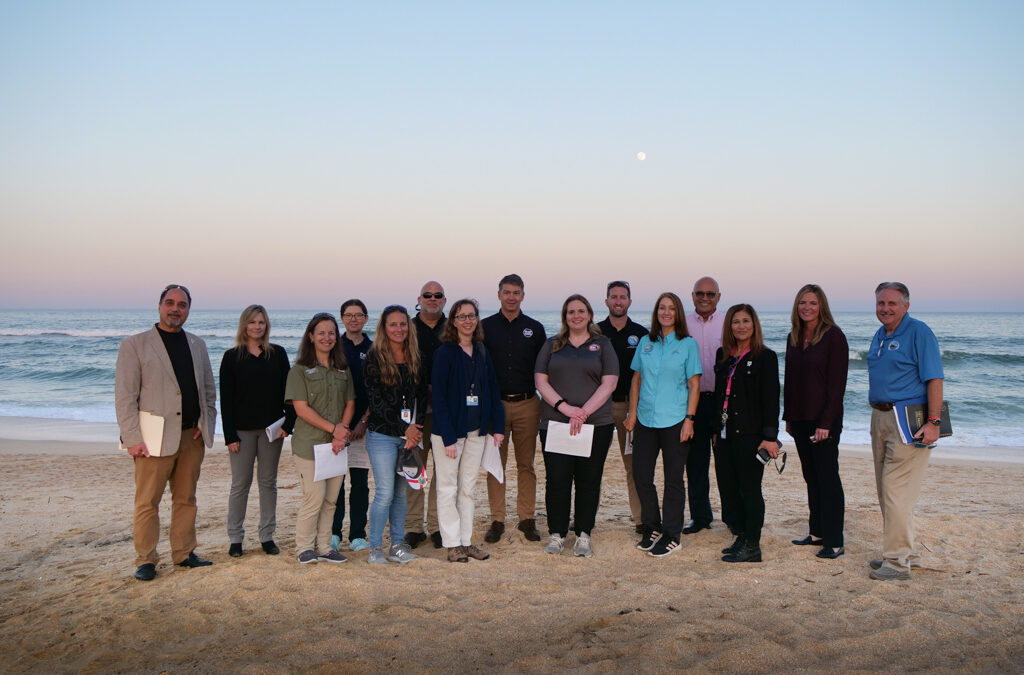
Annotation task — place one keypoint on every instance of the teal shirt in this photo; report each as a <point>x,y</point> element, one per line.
<point>664,367</point>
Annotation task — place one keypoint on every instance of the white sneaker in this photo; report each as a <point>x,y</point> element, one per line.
<point>582,547</point>
<point>400,553</point>
<point>555,545</point>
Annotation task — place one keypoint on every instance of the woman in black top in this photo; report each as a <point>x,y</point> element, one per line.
<point>747,395</point>
<point>817,361</point>
<point>252,379</point>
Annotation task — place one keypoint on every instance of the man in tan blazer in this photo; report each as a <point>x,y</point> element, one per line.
<point>166,372</point>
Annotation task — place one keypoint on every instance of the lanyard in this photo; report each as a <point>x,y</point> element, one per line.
<point>728,385</point>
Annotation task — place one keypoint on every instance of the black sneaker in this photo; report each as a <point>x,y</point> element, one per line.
<point>665,546</point>
<point>649,540</point>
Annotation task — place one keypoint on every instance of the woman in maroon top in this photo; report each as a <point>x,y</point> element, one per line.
<point>817,360</point>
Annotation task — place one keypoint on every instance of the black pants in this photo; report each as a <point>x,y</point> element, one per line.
<point>739,479</point>
<point>647,442</point>
<point>585,472</point>
<point>825,498</point>
<point>359,503</point>
<point>698,462</point>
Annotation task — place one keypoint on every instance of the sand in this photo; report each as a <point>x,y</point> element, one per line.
<point>70,602</point>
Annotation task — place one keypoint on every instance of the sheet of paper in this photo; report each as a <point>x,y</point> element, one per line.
<point>629,443</point>
<point>560,441</point>
<point>152,428</point>
<point>491,460</point>
<point>274,429</point>
<point>328,464</point>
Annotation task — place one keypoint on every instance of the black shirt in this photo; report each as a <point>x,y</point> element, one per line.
<point>355,354</point>
<point>514,346</point>
<point>429,340</point>
<point>252,391</point>
<point>181,360</point>
<point>386,403</point>
<point>624,341</point>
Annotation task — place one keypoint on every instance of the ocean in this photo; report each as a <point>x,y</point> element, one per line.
<point>59,364</point>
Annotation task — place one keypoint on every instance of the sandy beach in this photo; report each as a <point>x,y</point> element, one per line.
<point>70,602</point>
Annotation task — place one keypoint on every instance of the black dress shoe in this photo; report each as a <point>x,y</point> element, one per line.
<point>436,539</point>
<point>694,526</point>
<point>749,553</point>
<point>235,550</point>
<point>735,546</point>
<point>145,572</point>
<point>414,539</point>
<point>269,547</point>
<point>494,532</point>
<point>807,541</point>
<point>828,552</point>
<point>529,529</point>
<point>194,561</point>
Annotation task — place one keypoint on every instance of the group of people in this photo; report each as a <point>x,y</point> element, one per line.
<point>453,389</point>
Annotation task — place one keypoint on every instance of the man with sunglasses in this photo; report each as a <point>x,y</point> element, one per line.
<point>429,322</point>
<point>163,387</point>
<point>705,325</point>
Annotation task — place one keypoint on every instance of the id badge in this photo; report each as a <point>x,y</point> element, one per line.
<point>406,415</point>
<point>472,400</point>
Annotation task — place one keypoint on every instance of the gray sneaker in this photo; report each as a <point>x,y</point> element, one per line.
<point>878,562</point>
<point>307,557</point>
<point>332,557</point>
<point>400,553</point>
<point>582,547</point>
<point>890,573</point>
<point>555,545</point>
<point>377,556</point>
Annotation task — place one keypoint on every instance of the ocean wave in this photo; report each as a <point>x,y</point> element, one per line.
<point>952,356</point>
<point>46,332</point>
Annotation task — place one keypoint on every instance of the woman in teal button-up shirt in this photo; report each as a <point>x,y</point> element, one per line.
<point>662,405</point>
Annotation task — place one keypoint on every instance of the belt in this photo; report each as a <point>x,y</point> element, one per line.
<point>619,399</point>
<point>512,398</point>
<point>882,406</point>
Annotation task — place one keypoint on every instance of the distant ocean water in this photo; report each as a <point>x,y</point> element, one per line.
<point>59,364</point>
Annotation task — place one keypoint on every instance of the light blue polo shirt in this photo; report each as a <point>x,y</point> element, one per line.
<point>899,365</point>
<point>664,368</point>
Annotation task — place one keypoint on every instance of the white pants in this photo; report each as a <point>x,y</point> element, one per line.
<point>456,481</point>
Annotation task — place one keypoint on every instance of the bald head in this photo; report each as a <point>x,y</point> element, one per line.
<point>705,296</point>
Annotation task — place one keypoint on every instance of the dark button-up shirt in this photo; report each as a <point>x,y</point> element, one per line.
<point>624,342</point>
<point>514,346</point>
<point>429,339</point>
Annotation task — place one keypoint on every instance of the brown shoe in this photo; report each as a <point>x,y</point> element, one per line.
<point>529,529</point>
<point>475,553</point>
<point>494,532</point>
<point>457,554</point>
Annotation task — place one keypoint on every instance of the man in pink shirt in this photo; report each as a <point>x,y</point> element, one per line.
<point>705,326</point>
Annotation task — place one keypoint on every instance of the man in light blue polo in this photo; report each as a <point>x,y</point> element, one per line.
<point>904,364</point>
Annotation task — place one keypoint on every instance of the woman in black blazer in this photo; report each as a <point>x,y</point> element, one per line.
<point>747,394</point>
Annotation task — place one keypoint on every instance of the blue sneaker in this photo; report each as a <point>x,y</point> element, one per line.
<point>335,542</point>
<point>359,544</point>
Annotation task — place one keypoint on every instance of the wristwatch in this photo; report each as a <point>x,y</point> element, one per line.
<point>692,418</point>
<point>935,420</point>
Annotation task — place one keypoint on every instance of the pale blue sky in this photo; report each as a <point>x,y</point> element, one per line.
<point>298,155</point>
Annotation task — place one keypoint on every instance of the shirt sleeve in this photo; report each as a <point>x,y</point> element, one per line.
<point>289,409</point>
<point>227,396</point>
<point>770,395</point>
<point>295,387</point>
<point>929,357</point>
<point>609,359</point>
<point>836,372</point>
<point>543,358</point>
<point>693,366</point>
<point>635,364</point>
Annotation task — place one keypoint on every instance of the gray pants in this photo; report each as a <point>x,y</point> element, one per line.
<point>253,447</point>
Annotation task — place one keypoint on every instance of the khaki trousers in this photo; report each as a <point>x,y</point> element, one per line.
<point>899,472</point>
<point>414,498</point>
<point>456,483</point>
<point>152,474</point>
<point>619,410</point>
<point>521,420</point>
<point>316,513</point>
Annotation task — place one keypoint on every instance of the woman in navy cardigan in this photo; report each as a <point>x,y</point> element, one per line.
<point>467,409</point>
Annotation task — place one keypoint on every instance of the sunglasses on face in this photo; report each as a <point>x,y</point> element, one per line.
<point>705,294</point>
<point>432,296</point>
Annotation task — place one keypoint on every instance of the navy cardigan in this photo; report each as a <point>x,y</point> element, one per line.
<point>449,394</point>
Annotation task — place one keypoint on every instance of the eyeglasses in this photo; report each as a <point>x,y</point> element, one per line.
<point>613,284</point>
<point>705,294</point>
<point>353,317</point>
<point>465,317</point>
<point>432,296</point>
<point>395,308</point>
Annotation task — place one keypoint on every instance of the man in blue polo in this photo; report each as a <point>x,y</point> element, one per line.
<point>904,364</point>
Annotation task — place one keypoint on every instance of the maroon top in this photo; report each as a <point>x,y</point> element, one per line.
<point>816,381</point>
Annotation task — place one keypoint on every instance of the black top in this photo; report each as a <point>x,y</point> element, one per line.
<point>576,373</point>
<point>624,341</point>
<point>181,360</point>
<point>514,346</point>
<point>252,391</point>
<point>754,397</point>
<point>386,403</point>
<point>816,381</point>
<point>355,354</point>
<point>429,340</point>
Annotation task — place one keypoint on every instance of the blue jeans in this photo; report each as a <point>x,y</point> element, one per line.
<point>389,488</point>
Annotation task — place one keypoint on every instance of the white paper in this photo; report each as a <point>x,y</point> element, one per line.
<point>559,440</point>
<point>274,429</point>
<point>328,464</point>
<point>491,460</point>
<point>629,444</point>
<point>152,428</point>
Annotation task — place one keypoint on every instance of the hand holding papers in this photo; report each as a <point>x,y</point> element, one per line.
<point>152,428</point>
<point>274,429</point>
<point>559,440</point>
<point>629,443</point>
<point>328,464</point>
<point>492,460</point>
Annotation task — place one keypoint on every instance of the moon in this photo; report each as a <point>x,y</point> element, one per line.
<point>641,156</point>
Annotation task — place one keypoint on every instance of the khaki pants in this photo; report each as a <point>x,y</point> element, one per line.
<point>521,420</point>
<point>619,410</point>
<point>414,498</point>
<point>456,483</point>
<point>316,513</point>
<point>899,472</point>
<point>152,474</point>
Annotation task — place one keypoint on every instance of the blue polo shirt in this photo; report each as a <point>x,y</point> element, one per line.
<point>664,367</point>
<point>900,364</point>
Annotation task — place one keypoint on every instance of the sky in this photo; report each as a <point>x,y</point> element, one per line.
<point>297,154</point>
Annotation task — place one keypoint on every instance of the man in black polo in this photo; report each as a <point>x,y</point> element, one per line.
<point>429,322</point>
<point>514,340</point>
<point>624,334</point>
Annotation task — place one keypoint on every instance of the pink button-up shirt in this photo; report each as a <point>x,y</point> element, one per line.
<point>708,334</point>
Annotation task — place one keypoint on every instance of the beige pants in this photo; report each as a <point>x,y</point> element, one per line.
<point>456,483</point>
<point>619,410</point>
<point>521,420</point>
<point>316,512</point>
<point>899,472</point>
<point>414,498</point>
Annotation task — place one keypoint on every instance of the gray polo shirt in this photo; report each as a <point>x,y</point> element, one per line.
<point>575,373</point>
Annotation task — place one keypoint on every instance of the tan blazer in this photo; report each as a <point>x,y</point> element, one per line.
<point>145,380</point>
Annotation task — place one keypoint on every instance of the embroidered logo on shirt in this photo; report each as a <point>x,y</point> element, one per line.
<point>648,348</point>
<point>632,341</point>
<point>362,356</point>
<point>527,332</point>
<point>595,348</point>
<point>894,345</point>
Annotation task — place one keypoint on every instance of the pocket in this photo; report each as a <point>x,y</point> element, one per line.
<point>316,384</point>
